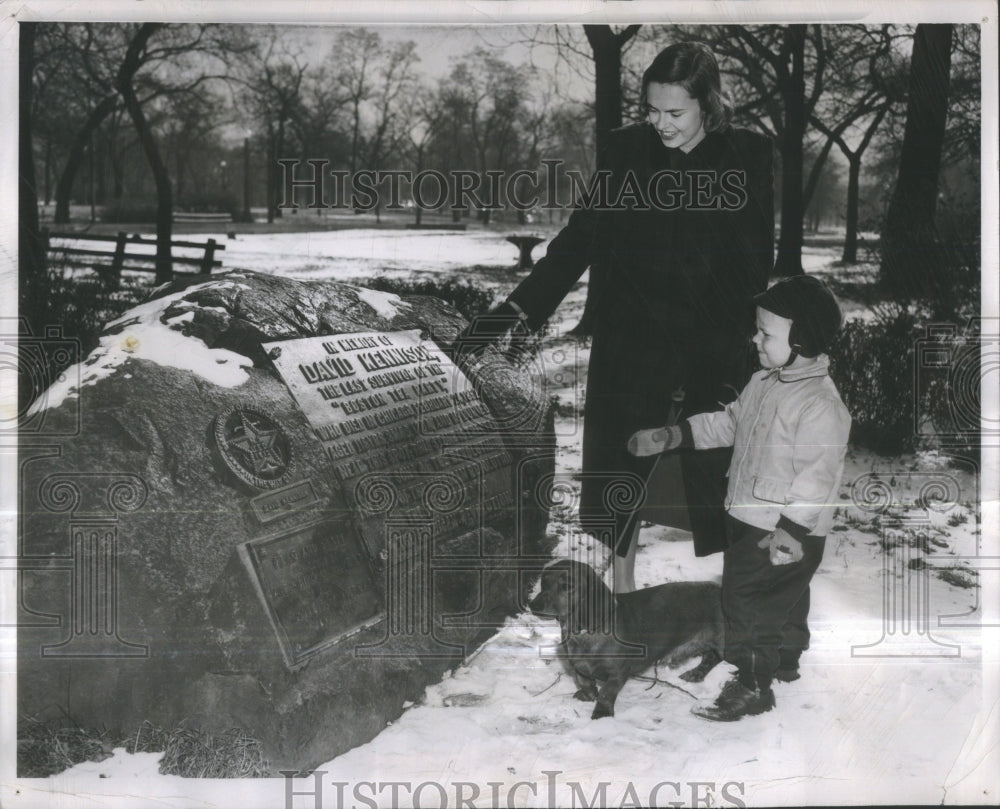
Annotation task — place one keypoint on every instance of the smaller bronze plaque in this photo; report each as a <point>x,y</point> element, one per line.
<point>315,584</point>
<point>282,502</point>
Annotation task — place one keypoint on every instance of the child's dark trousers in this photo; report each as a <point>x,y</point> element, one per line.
<point>765,606</point>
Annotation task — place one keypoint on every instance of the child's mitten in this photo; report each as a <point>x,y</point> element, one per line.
<point>655,441</point>
<point>783,547</point>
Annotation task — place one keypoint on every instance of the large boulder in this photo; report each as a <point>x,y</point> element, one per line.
<point>192,551</point>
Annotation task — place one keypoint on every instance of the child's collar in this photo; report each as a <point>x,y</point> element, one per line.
<point>815,366</point>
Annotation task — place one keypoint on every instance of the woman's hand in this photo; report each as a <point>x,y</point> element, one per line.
<point>504,323</point>
<point>655,441</point>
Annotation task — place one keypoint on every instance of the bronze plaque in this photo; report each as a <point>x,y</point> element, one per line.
<point>285,501</point>
<point>406,435</point>
<point>316,586</point>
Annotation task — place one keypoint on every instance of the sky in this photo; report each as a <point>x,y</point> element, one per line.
<point>439,46</point>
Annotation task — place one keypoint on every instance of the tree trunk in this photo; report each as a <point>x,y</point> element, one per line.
<point>270,174</point>
<point>793,92</point>
<point>853,186</point>
<point>102,191</point>
<point>607,51</point>
<point>912,253</point>
<point>31,258</point>
<point>64,188</point>
<point>276,191</point>
<point>164,196</point>
<point>850,255</point>
<point>179,174</point>
<point>606,47</point>
<point>816,172</point>
<point>47,194</point>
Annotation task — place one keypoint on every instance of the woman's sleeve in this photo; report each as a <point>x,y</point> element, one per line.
<point>576,247</point>
<point>571,252</point>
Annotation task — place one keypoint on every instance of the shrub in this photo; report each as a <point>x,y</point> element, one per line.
<point>210,202</point>
<point>81,305</point>
<point>872,364</point>
<point>466,297</point>
<point>899,402</point>
<point>130,214</point>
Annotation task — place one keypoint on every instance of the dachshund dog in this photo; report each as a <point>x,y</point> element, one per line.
<point>608,638</point>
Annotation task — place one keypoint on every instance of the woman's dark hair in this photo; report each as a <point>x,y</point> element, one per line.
<point>692,66</point>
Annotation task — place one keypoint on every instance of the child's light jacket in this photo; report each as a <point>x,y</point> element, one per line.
<point>789,431</point>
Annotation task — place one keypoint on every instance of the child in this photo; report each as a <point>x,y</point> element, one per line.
<point>789,431</point>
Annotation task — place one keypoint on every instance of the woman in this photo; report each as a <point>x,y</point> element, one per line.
<point>683,238</point>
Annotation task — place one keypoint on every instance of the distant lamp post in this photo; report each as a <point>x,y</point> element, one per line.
<point>246,177</point>
<point>419,133</point>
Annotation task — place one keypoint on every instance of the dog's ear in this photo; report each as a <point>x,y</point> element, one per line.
<point>553,581</point>
<point>589,600</point>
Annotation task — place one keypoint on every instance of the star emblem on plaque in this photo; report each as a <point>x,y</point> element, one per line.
<point>254,446</point>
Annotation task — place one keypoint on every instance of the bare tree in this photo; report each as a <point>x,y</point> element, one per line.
<point>912,253</point>
<point>352,61</point>
<point>607,45</point>
<point>862,86</point>
<point>164,194</point>
<point>490,102</point>
<point>92,56</point>
<point>31,251</point>
<point>175,60</point>
<point>393,82</point>
<point>783,50</point>
<point>277,98</point>
<point>188,124</point>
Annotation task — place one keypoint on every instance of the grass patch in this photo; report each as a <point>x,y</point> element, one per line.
<point>196,754</point>
<point>45,749</point>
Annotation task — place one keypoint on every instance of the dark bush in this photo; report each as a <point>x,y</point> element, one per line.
<point>130,214</point>
<point>81,304</point>
<point>466,297</point>
<point>872,364</point>
<point>907,390</point>
<point>210,202</point>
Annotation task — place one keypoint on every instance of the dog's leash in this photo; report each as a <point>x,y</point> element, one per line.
<point>550,685</point>
<point>677,398</point>
<point>655,679</point>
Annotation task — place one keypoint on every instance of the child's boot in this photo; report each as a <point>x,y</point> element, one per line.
<point>788,667</point>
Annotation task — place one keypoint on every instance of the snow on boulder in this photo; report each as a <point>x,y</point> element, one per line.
<point>278,506</point>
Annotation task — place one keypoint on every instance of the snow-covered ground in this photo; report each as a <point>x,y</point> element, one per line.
<point>898,697</point>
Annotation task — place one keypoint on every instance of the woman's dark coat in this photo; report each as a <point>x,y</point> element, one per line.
<point>674,308</point>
